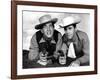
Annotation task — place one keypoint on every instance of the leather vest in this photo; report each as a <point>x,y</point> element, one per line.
<point>47,45</point>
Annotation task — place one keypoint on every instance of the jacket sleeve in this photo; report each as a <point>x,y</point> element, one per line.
<point>64,48</point>
<point>59,42</point>
<point>85,49</point>
<point>33,51</point>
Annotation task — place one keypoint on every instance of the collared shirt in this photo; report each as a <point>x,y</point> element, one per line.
<point>43,40</point>
<point>35,48</point>
<point>81,45</point>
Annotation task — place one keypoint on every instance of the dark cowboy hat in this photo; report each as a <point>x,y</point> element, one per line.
<point>69,21</point>
<point>45,19</point>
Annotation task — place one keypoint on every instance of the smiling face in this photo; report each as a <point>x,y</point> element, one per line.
<point>48,30</point>
<point>70,31</point>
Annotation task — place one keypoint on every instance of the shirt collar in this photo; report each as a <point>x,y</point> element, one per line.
<point>74,37</point>
<point>43,40</point>
<point>53,41</point>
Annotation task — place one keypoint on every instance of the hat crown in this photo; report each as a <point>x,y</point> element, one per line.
<point>70,20</point>
<point>44,18</point>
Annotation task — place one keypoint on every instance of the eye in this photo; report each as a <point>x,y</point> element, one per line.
<point>51,25</point>
<point>44,26</point>
<point>70,28</point>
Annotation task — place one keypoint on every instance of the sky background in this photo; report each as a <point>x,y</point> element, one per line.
<point>31,18</point>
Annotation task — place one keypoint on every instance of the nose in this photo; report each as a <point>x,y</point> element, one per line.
<point>48,28</point>
<point>67,31</point>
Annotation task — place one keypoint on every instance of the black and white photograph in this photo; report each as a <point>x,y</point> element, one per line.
<point>54,40</point>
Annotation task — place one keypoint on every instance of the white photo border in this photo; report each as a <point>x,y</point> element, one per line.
<point>21,71</point>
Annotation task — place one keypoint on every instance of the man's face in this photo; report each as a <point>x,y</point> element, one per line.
<point>48,30</point>
<point>70,30</point>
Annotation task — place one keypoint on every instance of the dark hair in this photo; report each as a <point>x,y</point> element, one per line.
<point>74,25</point>
<point>53,25</point>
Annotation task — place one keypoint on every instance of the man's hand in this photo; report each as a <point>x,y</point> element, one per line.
<point>56,54</point>
<point>75,63</point>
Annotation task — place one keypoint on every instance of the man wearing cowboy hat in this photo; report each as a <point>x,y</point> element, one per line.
<point>46,40</point>
<point>75,43</point>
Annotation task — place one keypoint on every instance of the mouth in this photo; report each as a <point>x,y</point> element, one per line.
<point>69,34</point>
<point>48,32</point>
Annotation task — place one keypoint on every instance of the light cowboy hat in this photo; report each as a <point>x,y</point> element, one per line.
<point>45,19</point>
<point>70,20</point>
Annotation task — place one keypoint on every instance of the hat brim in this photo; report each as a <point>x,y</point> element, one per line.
<point>40,26</point>
<point>61,26</point>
